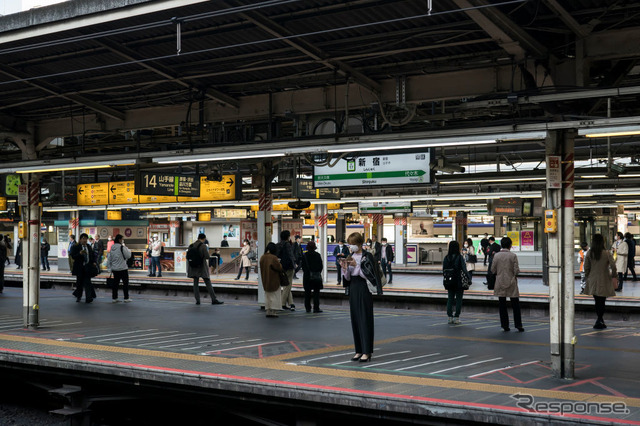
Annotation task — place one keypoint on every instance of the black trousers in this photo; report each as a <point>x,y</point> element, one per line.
<point>339,270</point>
<point>118,276</point>
<point>316,299</point>
<point>2,276</point>
<point>361,307</point>
<point>600,302</point>
<point>620,280</point>
<point>83,283</point>
<point>631,267</point>
<point>196,288</point>
<point>504,315</point>
<point>386,268</point>
<point>240,272</point>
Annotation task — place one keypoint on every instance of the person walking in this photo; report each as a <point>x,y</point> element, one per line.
<point>198,267</point>
<point>620,251</point>
<point>376,248</point>
<point>453,266</point>
<point>484,245</point>
<point>72,242</point>
<point>156,251</point>
<point>270,269</point>
<point>505,266</point>
<point>600,273</point>
<point>245,262</point>
<point>631,257</point>
<point>7,241</point>
<point>360,274</point>
<point>84,268</point>
<point>98,248</point>
<point>287,259</point>
<point>117,264</point>
<point>312,277</point>
<point>386,258</point>
<point>18,259</point>
<point>297,255</point>
<point>341,251</point>
<point>44,254</point>
<point>584,249</point>
<point>3,257</point>
<point>470,257</point>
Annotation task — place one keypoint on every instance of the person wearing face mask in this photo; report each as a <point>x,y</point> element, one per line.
<point>117,264</point>
<point>245,262</point>
<point>360,274</point>
<point>620,251</point>
<point>386,258</point>
<point>469,254</point>
<point>156,252</point>
<point>341,251</point>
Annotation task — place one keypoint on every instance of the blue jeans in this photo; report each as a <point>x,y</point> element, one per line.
<point>386,268</point>
<point>45,262</point>
<point>155,263</point>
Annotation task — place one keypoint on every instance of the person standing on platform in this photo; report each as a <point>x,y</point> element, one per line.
<point>110,243</point>
<point>270,269</point>
<point>484,245</point>
<point>7,241</point>
<point>492,249</point>
<point>117,264</point>
<point>214,261</point>
<point>156,251</point>
<point>376,248</point>
<point>198,267</point>
<point>72,242</point>
<point>287,259</point>
<point>584,249</point>
<point>84,268</point>
<point>505,266</point>
<point>3,257</point>
<point>18,259</point>
<point>224,242</point>
<point>631,258</point>
<point>297,255</point>
<point>312,277</point>
<point>620,251</point>
<point>341,251</point>
<point>98,248</point>
<point>359,272</point>
<point>600,272</point>
<point>470,258</point>
<point>386,259</point>
<point>45,247</point>
<point>245,262</point>
<point>453,266</point>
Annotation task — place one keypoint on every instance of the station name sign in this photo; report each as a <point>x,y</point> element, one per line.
<point>163,184</point>
<point>374,170</point>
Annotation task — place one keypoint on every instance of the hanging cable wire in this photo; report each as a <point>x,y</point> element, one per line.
<point>257,42</point>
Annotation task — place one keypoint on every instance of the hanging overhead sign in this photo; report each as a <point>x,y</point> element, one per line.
<point>91,194</point>
<point>384,207</point>
<point>229,188</point>
<point>9,185</point>
<point>164,184</point>
<point>383,169</point>
<point>304,189</point>
<point>122,193</point>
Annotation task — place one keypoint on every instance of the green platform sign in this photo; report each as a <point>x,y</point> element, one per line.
<point>9,185</point>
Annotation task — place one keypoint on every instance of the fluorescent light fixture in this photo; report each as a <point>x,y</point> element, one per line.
<point>438,142</point>
<point>497,180</point>
<point>192,158</point>
<point>603,132</point>
<point>45,166</point>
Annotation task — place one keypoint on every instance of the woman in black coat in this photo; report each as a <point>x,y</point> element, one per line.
<point>312,278</point>
<point>454,265</point>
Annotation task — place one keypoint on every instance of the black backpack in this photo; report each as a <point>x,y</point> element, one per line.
<point>285,260</point>
<point>193,256</point>
<point>449,276</point>
<point>130,260</point>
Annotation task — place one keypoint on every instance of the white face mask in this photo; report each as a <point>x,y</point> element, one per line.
<point>353,248</point>
<point>384,244</point>
<point>466,245</point>
<point>246,244</point>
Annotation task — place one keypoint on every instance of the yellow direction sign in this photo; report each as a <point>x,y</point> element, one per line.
<point>148,199</point>
<point>114,215</point>
<point>227,189</point>
<point>122,193</point>
<point>93,194</point>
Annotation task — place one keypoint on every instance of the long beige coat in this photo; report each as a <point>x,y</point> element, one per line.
<point>505,266</point>
<point>623,254</point>
<point>245,262</point>
<point>598,274</point>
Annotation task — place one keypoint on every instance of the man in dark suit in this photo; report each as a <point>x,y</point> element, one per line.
<point>340,252</point>
<point>84,268</point>
<point>386,258</point>
<point>631,261</point>
<point>377,248</point>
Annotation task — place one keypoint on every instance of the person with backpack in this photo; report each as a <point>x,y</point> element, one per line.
<point>44,254</point>
<point>245,262</point>
<point>453,266</point>
<point>118,264</point>
<point>198,267</point>
<point>287,259</point>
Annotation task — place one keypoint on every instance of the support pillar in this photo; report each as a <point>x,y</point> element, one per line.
<point>341,227</point>
<point>265,227</point>
<point>498,232</point>
<point>321,223</point>
<point>400,224</point>
<point>568,255</point>
<point>31,257</point>
<point>461,227</point>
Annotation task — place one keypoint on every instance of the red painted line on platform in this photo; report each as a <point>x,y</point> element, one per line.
<point>321,387</point>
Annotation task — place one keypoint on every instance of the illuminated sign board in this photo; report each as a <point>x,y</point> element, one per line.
<point>148,183</point>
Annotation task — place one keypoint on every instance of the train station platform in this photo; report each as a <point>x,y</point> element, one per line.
<point>423,369</point>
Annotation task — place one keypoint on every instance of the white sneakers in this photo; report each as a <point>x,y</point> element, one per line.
<point>454,320</point>
<point>114,301</point>
<point>127,300</point>
<point>450,320</point>
<point>118,300</point>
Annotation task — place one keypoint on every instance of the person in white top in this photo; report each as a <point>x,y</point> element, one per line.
<point>156,251</point>
<point>117,264</point>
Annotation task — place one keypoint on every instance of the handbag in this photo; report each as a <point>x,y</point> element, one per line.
<point>465,282</point>
<point>473,258</point>
<point>614,282</point>
<point>129,260</point>
<point>284,280</point>
<point>491,280</point>
<point>111,282</point>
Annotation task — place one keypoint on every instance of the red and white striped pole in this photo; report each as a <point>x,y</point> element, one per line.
<point>31,274</point>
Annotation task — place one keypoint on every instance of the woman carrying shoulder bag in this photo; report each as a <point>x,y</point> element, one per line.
<point>453,268</point>
<point>312,278</point>
<point>270,269</point>
<point>117,264</point>
<point>600,274</point>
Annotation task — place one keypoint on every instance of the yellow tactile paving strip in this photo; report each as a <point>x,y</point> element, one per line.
<point>278,363</point>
